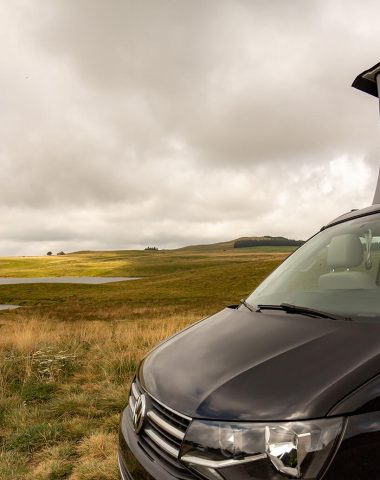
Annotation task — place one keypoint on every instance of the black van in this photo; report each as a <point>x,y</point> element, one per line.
<point>284,385</point>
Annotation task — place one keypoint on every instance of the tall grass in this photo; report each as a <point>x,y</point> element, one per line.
<point>62,387</point>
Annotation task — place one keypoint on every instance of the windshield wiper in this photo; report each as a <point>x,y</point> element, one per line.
<point>247,305</point>
<point>311,312</point>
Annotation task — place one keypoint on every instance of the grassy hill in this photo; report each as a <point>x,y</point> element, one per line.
<point>231,244</point>
<point>132,263</point>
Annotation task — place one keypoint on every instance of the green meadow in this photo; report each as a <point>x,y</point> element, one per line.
<point>68,355</point>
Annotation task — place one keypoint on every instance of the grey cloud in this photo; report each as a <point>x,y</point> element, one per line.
<point>174,122</point>
<point>227,77</point>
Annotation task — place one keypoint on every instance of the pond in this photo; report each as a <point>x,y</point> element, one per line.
<point>8,307</point>
<point>83,280</point>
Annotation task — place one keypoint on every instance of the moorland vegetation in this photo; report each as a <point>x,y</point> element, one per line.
<point>68,355</point>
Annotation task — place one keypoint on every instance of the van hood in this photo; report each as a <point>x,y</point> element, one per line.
<point>242,365</point>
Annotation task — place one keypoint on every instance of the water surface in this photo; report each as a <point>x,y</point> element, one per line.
<point>83,280</point>
<point>8,307</point>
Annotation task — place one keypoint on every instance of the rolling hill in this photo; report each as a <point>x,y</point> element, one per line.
<point>245,242</point>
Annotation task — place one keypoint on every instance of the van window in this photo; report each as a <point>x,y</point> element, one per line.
<point>336,271</point>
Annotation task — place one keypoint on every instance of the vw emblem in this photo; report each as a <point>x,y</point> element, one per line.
<point>139,413</point>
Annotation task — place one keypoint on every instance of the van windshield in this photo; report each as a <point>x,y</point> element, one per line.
<point>336,271</point>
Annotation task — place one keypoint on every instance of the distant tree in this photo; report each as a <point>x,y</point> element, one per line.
<point>49,253</point>
<point>61,253</point>
<point>151,248</point>
<point>268,242</point>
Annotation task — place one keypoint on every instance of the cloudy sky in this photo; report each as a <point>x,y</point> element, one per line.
<point>172,122</point>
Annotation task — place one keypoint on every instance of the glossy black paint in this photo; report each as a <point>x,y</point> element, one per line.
<point>356,458</point>
<point>240,365</point>
<point>365,399</point>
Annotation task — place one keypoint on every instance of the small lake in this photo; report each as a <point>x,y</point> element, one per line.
<point>82,280</point>
<point>8,307</point>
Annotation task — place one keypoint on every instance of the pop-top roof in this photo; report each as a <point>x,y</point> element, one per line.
<point>366,81</point>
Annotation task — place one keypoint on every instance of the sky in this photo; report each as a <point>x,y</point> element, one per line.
<point>174,122</point>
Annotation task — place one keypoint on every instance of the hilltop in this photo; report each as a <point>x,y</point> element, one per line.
<point>245,242</point>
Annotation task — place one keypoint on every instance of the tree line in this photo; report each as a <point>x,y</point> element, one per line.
<point>267,242</point>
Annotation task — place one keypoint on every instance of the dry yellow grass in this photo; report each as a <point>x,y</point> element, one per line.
<point>27,332</point>
<point>71,380</point>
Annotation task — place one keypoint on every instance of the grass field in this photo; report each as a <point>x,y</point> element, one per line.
<point>67,357</point>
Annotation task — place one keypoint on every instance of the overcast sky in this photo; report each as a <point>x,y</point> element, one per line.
<point>173,122</point>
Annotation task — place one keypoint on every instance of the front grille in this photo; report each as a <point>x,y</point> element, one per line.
<point>162,433</point>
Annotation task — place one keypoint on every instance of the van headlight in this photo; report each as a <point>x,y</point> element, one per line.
<point>260,451</point>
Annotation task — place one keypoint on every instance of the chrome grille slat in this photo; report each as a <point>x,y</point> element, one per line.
<point>166,447</point>
<point>132,403</point>
<point>181,416</point>
<point>181,424</point>
<point>175,432</point>
<point>134,391</point>
<point>167,461</point>
<point>155,452</point>
<point>173,441</point>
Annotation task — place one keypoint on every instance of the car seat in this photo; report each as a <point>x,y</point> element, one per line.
<point>345,252</point>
